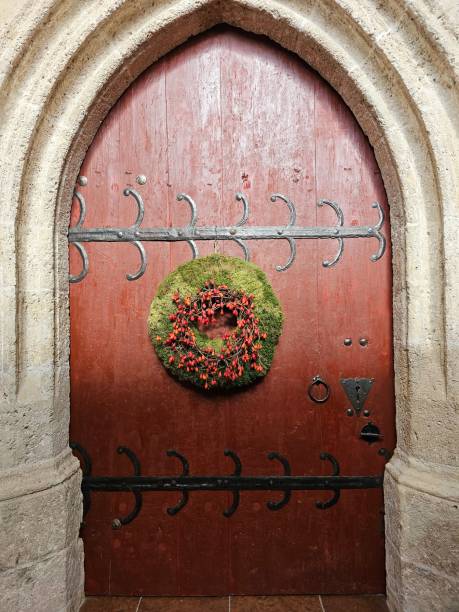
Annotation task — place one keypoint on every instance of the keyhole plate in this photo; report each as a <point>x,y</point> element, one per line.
<point>357,390</point>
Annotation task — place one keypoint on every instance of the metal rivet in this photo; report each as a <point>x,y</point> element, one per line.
<point>280,232</point>
<point>120,234</point>
<point>232,231</point>
<point>349,412</point>
<point>363,341</point>
<point>136,234</point>
<point>116,523</point>
<point>336,231</point>
<point>141,179</point>
<point>370,230</point>
<point>347,341</point>
<point>180,233</point>
<point>82,180</point>
<point>366,413</point>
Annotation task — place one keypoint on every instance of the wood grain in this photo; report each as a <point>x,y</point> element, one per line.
<point>226,112</point>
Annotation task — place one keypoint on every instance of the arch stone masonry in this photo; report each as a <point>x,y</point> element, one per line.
<point>63,64</point>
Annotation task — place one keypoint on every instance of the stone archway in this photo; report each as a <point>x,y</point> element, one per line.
<point>63,66</point>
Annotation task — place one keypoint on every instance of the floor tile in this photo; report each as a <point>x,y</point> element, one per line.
<point>284,603</point>
<point>184,604</point>
<point>354,603</point>
<point>110,604</point>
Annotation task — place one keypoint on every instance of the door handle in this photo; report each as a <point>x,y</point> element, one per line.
<point>316,382</point>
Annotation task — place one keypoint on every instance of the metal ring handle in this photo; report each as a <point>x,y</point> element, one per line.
<point>315,382</point>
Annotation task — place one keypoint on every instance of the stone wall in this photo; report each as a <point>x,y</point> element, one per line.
<point>63,63</point>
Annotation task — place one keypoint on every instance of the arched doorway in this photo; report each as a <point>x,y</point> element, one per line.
<point>60,77</point>
<point>228,112</point>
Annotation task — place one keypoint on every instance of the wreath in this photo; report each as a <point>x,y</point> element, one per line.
<point>189,303</point>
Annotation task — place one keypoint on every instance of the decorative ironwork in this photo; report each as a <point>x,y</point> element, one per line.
<point>357,390</point>
<point>384,452</point>
<point>370,433</point>
<point>235,483</point>
<point>316,382</point>
<point>185,472</point>
<point>336,491</point>
<point>124,520</point>
<point>238,233</point>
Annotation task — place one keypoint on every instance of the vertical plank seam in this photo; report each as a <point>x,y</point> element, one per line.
<point>318,267</point>
<point>222,214</point>
<point>222,162</point>
<point>166,66</point>
<point>169,223</point>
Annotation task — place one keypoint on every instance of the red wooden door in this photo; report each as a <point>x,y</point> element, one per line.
<point>230,112</point>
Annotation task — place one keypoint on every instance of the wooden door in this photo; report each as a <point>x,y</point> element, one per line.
<point>230,112</point>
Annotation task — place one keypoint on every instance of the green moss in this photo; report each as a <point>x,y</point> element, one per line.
<point>187,280</point>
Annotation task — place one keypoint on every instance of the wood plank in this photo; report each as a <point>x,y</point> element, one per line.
<point>225,112</point>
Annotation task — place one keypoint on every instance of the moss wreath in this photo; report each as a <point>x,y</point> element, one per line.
<point>190,299</point>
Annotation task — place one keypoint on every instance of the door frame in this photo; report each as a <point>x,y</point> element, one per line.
<point>69,79</point>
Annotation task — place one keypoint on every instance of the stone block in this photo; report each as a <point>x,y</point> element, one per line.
<point>41,524</point>
<point>53,584</point>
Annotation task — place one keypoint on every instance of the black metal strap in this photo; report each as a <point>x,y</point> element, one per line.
<point>234,483</point>
<point>228,483</point>
<point>191,233</point>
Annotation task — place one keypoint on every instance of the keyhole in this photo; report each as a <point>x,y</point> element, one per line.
<point>357,391</point>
